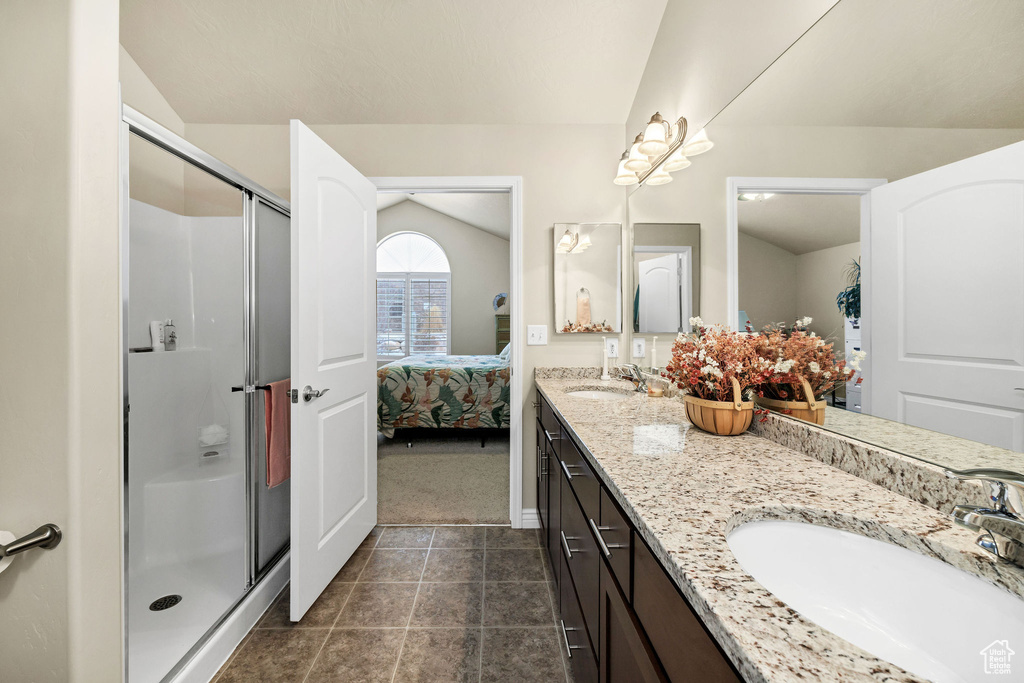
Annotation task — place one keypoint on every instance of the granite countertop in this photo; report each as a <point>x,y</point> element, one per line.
<point>685,490</point>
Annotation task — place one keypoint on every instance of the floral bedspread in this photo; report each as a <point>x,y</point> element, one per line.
<point>466,392</point>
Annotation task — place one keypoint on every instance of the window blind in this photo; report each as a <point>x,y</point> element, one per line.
<point>391,329</point>
<point>412,314</point>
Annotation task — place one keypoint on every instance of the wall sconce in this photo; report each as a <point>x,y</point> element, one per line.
<point>658,151</point>
<point>568,242</point>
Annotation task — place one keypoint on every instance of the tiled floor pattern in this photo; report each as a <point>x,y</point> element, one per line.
<point>437,604</point>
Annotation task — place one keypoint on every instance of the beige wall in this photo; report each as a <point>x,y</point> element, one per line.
<point>768,282</point>
<point>60,446</point>
<point>480,270</point>
<point>697,195</point>
<point>157,177</point>
<point>566,171</point>
<point>821,275</point>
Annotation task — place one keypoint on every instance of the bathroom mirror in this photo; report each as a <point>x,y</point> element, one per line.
<point>873,92</point>
<point>588,277</point>
<point>665,277</point>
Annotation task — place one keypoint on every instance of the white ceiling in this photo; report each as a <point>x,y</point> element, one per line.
<point>382,61</point>
<point>488,211</point>
<point>902,63</point>
<point>801,223</point>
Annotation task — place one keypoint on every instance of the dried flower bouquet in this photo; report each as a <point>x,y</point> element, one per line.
<point>801,355</point>
<point>705,362</point>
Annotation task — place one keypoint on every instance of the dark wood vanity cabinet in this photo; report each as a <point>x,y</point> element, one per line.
<point>623,619</point>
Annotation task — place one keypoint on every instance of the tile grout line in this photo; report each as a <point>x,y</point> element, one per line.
<point>483,598</point>
<point>348,597</point>
<point>412,611</point>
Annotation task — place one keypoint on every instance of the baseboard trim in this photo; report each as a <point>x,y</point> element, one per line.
<point>218,648</point>
<point>531,518</point>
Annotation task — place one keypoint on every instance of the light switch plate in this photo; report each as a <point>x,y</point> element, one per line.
<point>612,344</point>
<point>536,335</point>
<point>639,347</point>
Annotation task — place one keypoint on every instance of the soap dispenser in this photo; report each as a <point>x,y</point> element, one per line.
<point>170,336</point>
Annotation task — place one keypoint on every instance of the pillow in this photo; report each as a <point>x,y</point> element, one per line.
<point>505,352</point>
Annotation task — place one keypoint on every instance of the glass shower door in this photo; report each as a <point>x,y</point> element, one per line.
<point>186,448</point>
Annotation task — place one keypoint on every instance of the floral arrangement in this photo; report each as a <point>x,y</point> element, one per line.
<point>797,355</point>
<point>602,326</point>
<point>705,362</point>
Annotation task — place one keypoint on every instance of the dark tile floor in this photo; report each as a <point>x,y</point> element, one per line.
<point>467,604</point>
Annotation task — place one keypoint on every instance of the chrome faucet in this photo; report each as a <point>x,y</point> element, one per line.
<point>634,375</point>
<point>1002,524</point>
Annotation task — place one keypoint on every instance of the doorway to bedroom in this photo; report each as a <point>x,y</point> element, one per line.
<point>444,356</point>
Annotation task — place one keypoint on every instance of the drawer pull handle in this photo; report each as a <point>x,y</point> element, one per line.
<point>565,544</point>
<point>565,468</point>
<point>600,539</point>
<point>568,648</point>
<point>551,438</point>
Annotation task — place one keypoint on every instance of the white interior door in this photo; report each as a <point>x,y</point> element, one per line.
<point>947,299</point>
<point>334,444</point>
<point>658,279</point>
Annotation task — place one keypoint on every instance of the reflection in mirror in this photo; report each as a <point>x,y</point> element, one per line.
<point>934,108</point>
<point>666,277</point>
<point>588,281</point>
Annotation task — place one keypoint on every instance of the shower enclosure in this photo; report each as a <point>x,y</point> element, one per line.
<point>205,253</point>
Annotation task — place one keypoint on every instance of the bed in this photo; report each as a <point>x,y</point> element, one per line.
<point>461,392</point>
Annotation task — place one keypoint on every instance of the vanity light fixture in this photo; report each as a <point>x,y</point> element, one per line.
<point>584,243</point>
<point>754,196</point>
<point>658,151</point>
<point>568,242</point>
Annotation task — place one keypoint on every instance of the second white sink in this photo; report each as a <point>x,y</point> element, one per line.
<point>598,395</point>
<point>917,612</point>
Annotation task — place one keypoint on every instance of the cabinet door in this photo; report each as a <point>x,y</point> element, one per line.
<point>625,655</point>
<point>582,556</point>
<point>554,526</point>
<point>543,510</point>
<point>574,631</point>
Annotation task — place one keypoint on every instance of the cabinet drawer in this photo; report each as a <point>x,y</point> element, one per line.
<point>616,533</point>
<point>581,556</point>
<point>578,641</point>
<point>549,425</point>
<point>582,479</point>
<point>554,517</point>
<point>686,651</point>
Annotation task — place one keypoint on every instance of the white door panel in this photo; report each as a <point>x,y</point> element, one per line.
<point>947,299</point>
<point>334,446</point>
<point>658,280</point>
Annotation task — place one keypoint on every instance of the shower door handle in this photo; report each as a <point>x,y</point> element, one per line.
<point>309,393</point>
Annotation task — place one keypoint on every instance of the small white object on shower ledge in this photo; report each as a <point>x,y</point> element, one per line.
<point>213,435</point>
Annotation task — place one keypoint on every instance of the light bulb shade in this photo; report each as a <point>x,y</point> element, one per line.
<point>637,161</point>
<point>624,176</point>
<point>676,162</point>
<point>698,144</point>
<point>654,144</point>
<point>584,243</point>
<point>659,177</point>
<point>567,242</point>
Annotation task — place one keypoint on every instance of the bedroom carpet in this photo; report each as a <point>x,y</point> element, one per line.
<point>442,479</point>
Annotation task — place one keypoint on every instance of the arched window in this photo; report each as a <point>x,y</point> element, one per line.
<point>413,297</point>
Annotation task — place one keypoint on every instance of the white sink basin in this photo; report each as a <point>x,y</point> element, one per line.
<point>914,611</point>
<point>597,395</point>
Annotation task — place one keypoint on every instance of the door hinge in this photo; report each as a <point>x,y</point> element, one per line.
<point>295,395</point>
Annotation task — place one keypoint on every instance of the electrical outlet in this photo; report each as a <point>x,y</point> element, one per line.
<point>639,347</point>
<point>612,345</point>
<point>536,335</point>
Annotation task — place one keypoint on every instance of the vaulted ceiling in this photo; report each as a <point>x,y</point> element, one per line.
<point>488,211</point>
<point>384,61</point>
<point>908,63</point>
<point>801,223</point>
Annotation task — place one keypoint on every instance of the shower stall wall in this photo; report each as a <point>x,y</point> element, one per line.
<point>209,250</point>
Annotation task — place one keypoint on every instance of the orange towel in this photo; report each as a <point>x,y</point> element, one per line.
<point>278,421</point>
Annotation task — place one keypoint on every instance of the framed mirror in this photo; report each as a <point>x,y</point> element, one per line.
<point>871,94</point>
<point>665,281</point>
<point>588,278</point>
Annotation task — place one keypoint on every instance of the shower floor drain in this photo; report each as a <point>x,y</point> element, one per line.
<point>165,602</point>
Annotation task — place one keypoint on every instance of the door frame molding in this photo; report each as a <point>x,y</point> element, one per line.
<point>514,186</point>
<point>783,185</point>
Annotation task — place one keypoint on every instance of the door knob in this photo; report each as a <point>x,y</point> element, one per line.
<point>309,393</point>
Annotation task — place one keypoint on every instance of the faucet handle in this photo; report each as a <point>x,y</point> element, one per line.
<point>1007,486</point>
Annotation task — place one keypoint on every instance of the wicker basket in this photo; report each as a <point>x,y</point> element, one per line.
<point>808,411</point>
<point>725,418</point>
